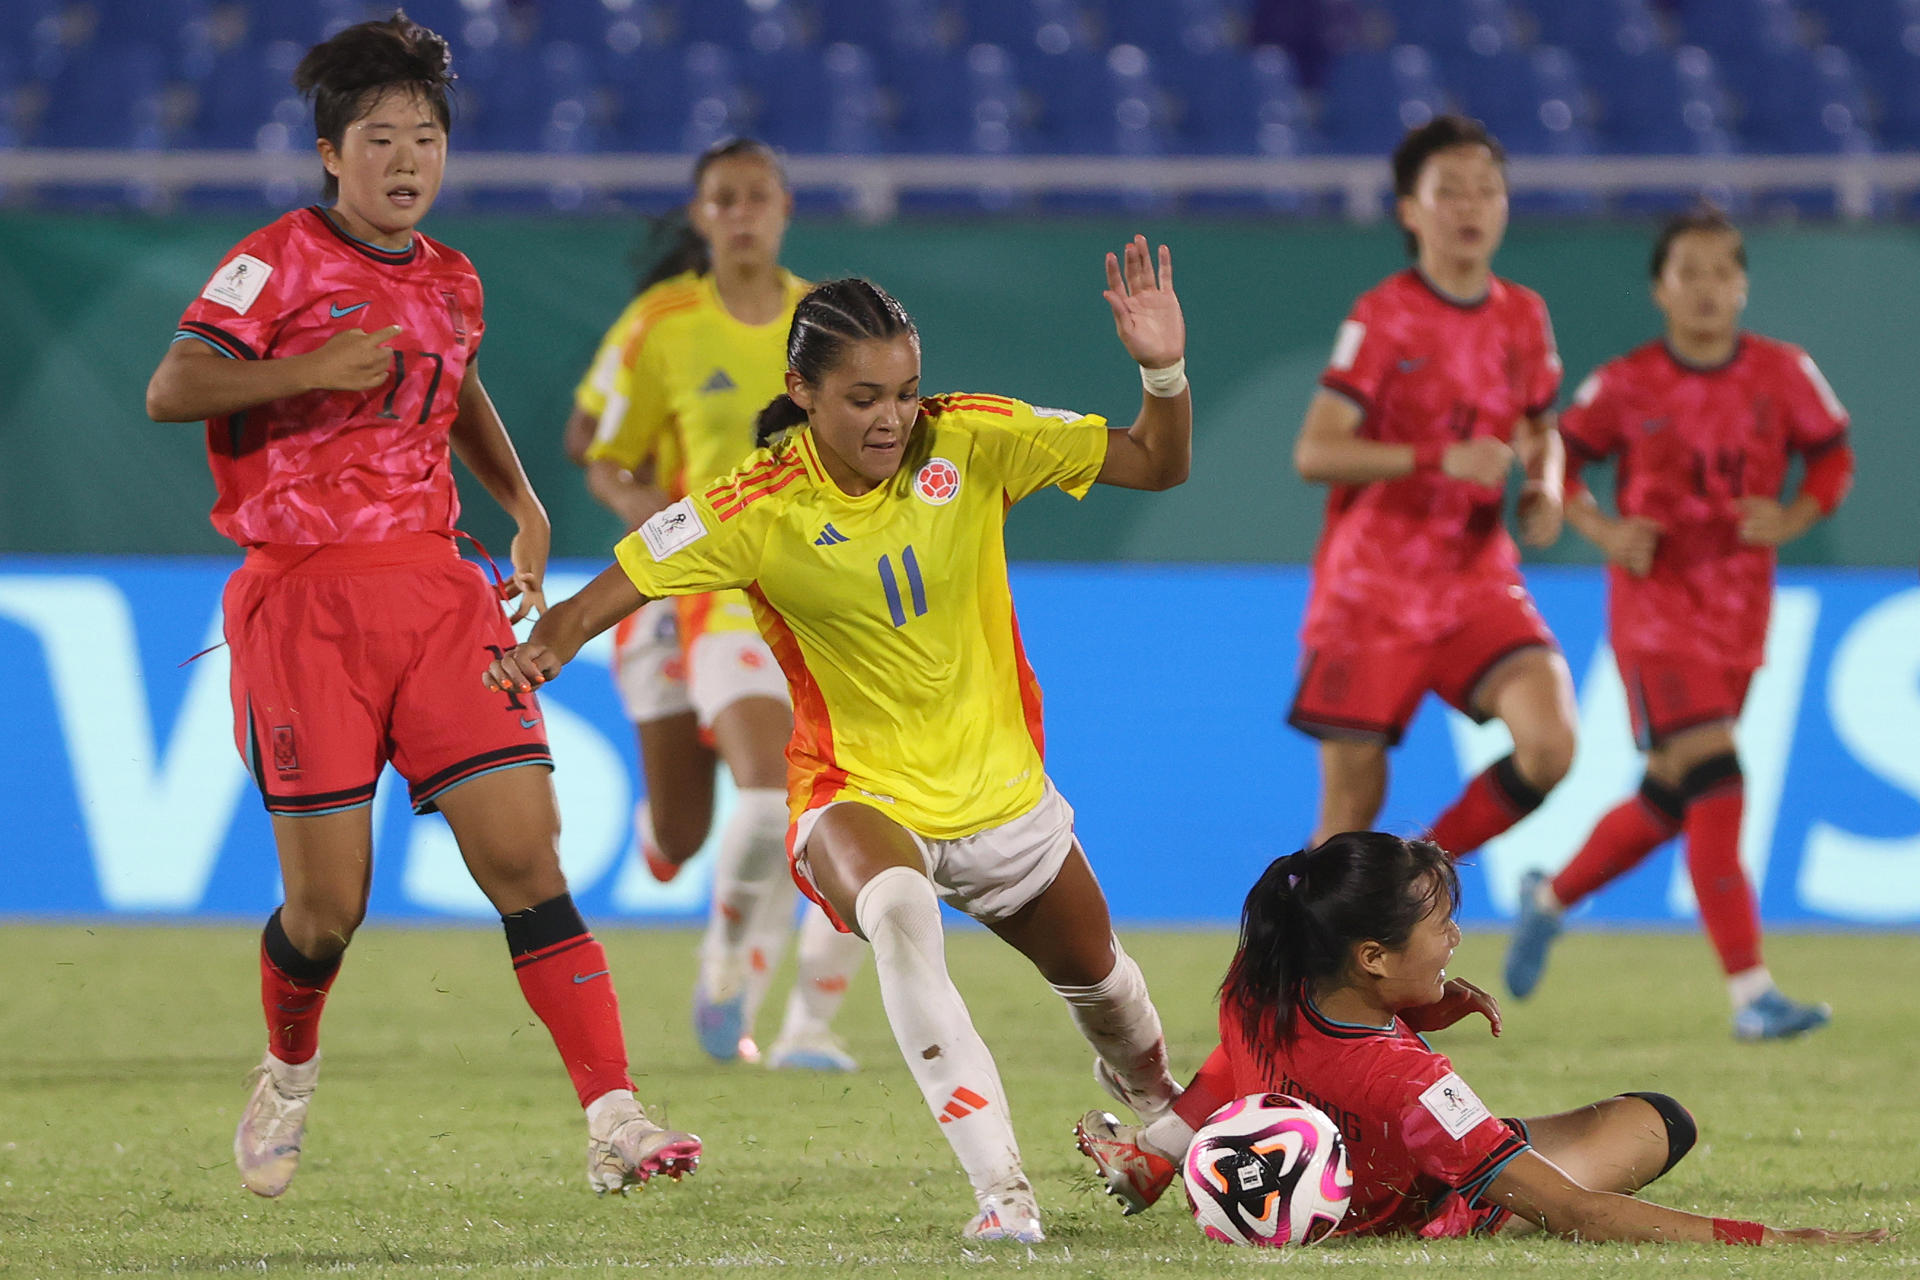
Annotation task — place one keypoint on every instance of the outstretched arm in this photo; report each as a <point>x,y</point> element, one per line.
<point>1538,1190</point>
<point>557,637</point>
<point>1157,450</point>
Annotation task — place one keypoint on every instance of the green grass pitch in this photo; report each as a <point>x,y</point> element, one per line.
<point>444,1139</point>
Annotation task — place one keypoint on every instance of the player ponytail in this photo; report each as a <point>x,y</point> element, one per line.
<point>673,246</point>
<point>830,318</point>
<point>345,75</point>
<point>1308,911</point>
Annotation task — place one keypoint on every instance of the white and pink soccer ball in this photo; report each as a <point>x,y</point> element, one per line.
<point>1267,1170</point>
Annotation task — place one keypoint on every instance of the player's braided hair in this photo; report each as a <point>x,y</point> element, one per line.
<point>345,74</point>
<point>1307,911</point>
<point>831,316</point>
<point>1442,133</point>
<point>673,247</point>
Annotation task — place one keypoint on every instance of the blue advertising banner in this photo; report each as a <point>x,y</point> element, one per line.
<point>1166,695</point>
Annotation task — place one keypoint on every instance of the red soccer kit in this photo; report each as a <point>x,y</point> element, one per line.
<point>1416,583</point>
<point>358,634</point>
<point>1691,442</point>
<point>1421,1145</point>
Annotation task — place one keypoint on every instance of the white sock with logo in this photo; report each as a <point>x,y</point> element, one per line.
<point>750,863</point>
<point>1118,1019</point>
<point>828,961</point>
<point>900,915</point>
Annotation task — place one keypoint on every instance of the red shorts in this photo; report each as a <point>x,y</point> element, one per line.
<point>1668,694</point>
<point>1372,690</point>
<point>354,654</point>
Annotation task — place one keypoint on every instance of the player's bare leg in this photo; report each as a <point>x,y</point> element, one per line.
<point>678,768</point>
<point>1353,785</point>
<point>1531,692</point>
<point>326,863</point>
<point>750,735</point>
<point>870,869</point>
<point>1620,1144</point>
<point>508,827</point>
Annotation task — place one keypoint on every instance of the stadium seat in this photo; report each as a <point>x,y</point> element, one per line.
<point>1447,26</point>
<point>813,101</point>
<point>1168,26</point>
<point>1586,26</point>
<point>968,103</point>
<point>647,104</point>
<point>1533,102</point>
<point>1372,97</point>
<point>890,27</point>
<point>1659,101</point>
<point>108,97</point>
<point>1900,96</point>
<point>248,89</point>
<point>1807,101</point>
<point>1019,25</point>
<point>741,24</point>
<point>1230,103</point>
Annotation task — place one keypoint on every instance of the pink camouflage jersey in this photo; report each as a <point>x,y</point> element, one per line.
<point>1690,443</point>
<point>1403,561</point>
<point>338,466</point>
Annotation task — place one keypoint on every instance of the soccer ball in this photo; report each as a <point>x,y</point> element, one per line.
<point>1267,1170</point>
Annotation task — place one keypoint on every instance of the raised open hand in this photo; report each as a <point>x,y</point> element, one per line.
<point>1146,314</point>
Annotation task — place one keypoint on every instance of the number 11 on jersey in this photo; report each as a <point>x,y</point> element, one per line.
<point>891,585</point>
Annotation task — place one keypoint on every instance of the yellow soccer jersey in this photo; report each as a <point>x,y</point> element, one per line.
<point>890,612</point>
<point>590,395</point>
<point>694,376</point>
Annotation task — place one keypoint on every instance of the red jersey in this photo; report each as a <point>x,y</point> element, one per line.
<point>1691,442</point>
<point>1421,1146</point>
<point>338,466</point>
<point>1406,559</point>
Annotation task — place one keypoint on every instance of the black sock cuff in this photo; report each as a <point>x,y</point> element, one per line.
<point>1711,774</point>
<point>1663,799</point>
<point>544,925</point>
<point>1681,1130</point>
<point>1522,795</point>
<point>288,959</point>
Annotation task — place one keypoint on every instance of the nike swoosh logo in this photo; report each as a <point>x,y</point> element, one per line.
<point>339,310</point>
<point>528,724</point>
<point>580,978</point>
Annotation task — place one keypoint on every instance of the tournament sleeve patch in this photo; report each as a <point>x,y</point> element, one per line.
<point>672,529</point>
<point>1346,345</point>
<point>1829,401</point>
<point>1064,415</point>
<point>238,283</point>
<point>1454,1105</point>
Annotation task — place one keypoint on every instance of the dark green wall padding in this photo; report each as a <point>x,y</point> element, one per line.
<point>90,303</point>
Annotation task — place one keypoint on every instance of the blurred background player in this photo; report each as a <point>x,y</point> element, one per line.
<point>333,355</point>
<point>1703,421</point>
<point>1341,965</point>
<point>703,350</point>
<point>1442,377</point>
<point>869,535</point>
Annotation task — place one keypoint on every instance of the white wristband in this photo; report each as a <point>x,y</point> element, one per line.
<point>1170,381</point>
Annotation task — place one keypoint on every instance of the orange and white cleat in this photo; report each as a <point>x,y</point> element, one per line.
<point>1134,1176</point>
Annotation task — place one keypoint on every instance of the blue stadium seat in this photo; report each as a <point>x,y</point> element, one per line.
<point>1372,97</point>
<point>815,101</point>
<point>902,27</point>
<point>1234,103</point>
<point>306,22</point>
<point>1169,26</point>
<point>1019,25</point>
<point>1533,102</point>
<point>1659,101</point>
<point>741,24</point>
<point>648,102</point>
<point>1587,25</point>
<point>1447,26</point>
<point>246,90</point>
<point>1808,101</point>
<point>110,96</point>
<point>967,103</point>
<point>1900,95</point>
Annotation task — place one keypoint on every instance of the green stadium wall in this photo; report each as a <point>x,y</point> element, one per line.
<point>90,303</point>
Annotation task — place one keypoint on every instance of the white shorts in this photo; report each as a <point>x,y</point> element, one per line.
<point>990,874</point>
<point>726,666</point>
<point>647,668</point>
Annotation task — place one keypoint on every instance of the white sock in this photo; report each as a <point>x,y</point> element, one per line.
<point>294,1078</point>
<point>1118,1019</point>
<point>750,864</point>
<point>828,961</point>
<point>765,946</point>
<point>1749,985</point>
<point>900,915</point>
<point>1168,1137</point>
<point>1545,900</point>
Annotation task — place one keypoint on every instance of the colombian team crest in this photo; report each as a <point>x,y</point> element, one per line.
<point>937,483</point>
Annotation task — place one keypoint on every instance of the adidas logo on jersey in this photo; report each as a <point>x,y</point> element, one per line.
<point>830,537</point>
<point>717,383</point>
<point>962,1104</point>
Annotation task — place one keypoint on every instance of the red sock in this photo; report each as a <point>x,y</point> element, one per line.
<point>1716,799</point>
<point>563,973</point>
<point>293,993</point>
<point>1621,841</point>
<point>1492,802</point>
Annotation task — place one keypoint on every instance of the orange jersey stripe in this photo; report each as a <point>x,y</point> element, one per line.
<point>814,776</point>
<point>977,403</point>
<point>730,484</point>
<point>760,489</point>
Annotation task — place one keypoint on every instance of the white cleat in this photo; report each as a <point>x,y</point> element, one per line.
<point>1007,1215</point>
<point>625,1149</point>
<point>818,1050</point>
<point>266,1145</point>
